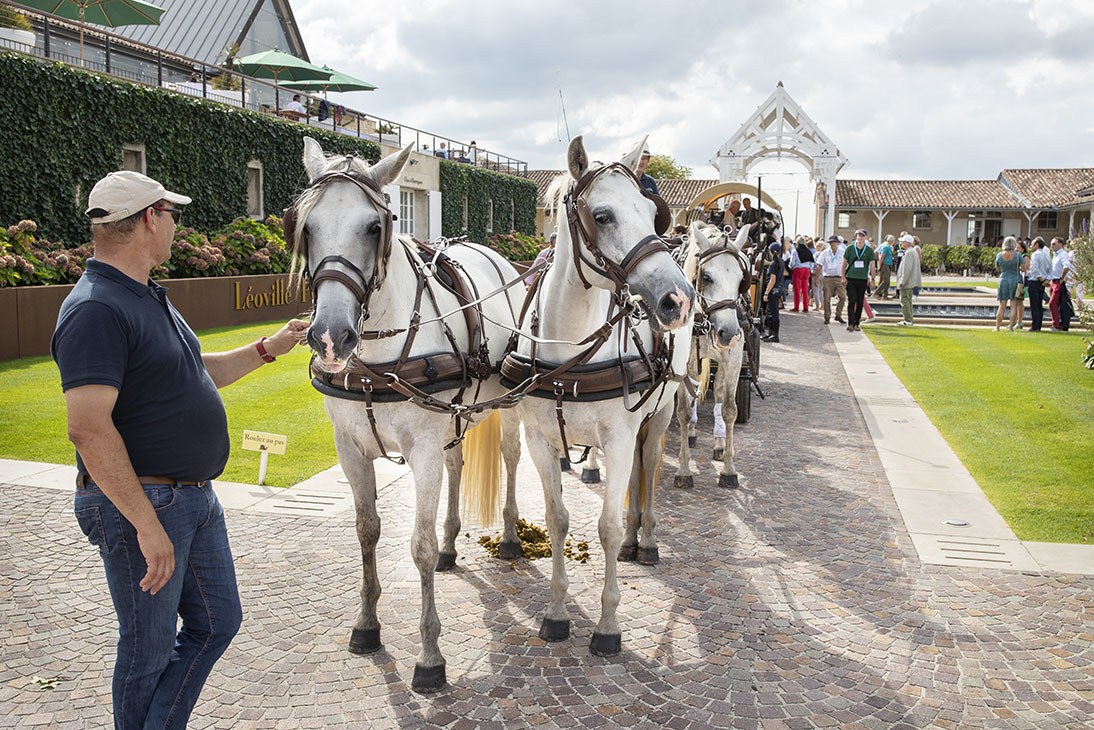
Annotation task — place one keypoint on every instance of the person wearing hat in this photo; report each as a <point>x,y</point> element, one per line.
<point>150,433</point>
<point>908,278</point>
<point>648,183</point>
<point>773,292</point>
<point>858,269</point>
<point>831,267</point>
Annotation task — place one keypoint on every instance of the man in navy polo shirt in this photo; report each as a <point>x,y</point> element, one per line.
<point>150,433</point>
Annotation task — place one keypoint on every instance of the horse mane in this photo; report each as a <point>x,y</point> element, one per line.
<point>306,201</point>
<point>714,233</point>
<point>556,192</point>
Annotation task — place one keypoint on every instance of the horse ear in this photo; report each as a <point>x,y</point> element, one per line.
<point>387,169</point>
<point>699,236</point>
<point>314,159</point>
<point>742,236</point>
<point>577,159</point>
<point>631,158</point>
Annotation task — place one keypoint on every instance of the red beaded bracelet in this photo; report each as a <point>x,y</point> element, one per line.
<point>266,357</point>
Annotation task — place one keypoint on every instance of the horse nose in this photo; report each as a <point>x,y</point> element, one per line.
<point>331,346</point>
<point>726,335</point>
<point>673,307</point>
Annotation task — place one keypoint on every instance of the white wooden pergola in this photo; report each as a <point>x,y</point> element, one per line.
<point>780,127</point>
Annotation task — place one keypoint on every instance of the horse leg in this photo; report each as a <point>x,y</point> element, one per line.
<point>684,406</point>
<point>429,670</point>
<point>727,474</point>
<point>651,445</point>
<point>453,462</point>
<point>628,551</point>
<point>618,457</point>
<point>719,421</point>
<point>590,474</point>
<point>509,548</point>
<point>556,619</point>
<point>361,474</point>
<point>693,436</point>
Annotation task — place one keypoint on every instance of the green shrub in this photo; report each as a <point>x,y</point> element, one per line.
<point>516,246</point>
<point>934,257</point>
<point>986,259</point>
<point>959,258</point>
<point>11,19</point>
<point>26,260</point>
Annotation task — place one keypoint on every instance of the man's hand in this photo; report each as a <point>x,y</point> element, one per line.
<point>292,334</point>
<point>159,554</point>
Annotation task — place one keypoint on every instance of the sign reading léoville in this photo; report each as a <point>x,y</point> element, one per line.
<point>277,294</point>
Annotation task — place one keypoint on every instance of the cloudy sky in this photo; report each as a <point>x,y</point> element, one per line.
<point>918,88</point>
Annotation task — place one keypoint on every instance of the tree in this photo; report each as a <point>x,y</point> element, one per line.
<point>664,167</point>
<point>1082,266</point>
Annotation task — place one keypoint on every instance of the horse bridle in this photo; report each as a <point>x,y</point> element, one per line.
<point>583,230</point>
<point>743,290</point>
<point>363,285</point>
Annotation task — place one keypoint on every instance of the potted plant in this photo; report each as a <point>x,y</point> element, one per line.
<point>15,28</point>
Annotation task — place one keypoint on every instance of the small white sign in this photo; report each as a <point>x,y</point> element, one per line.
<point>272,443</point>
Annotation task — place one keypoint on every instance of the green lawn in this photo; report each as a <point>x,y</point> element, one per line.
<point>969,283</point>
<point>277,398</point>
<point>1018,409</point>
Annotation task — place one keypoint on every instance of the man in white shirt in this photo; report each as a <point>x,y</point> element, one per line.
<point>1060,302</point>
<point>295,105</point>
<point>831,265</point>
<point>908,278</point>
<point>1038,277</point>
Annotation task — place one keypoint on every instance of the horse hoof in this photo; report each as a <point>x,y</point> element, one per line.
<point>718,454</point>
<point>428,679</point>
<point>590,476</point>
<point>648,556</point>
<point>445,561</point>
<point>684,482</point>
<point>627,553</point>
<point>692,440</point>
<point>606,644</point>
<point>554,629</point>
<point>510,550</point>
<point>729,481</point>
<point>564,464</point>
<point>364,641</point>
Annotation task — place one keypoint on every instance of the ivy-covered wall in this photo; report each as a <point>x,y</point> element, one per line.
<point>64,129</point>
<point>512,196</point>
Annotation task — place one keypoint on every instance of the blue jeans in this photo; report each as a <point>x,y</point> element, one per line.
<point>161,669</point>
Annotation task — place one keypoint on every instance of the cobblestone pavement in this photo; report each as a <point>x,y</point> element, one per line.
<point>795,602</point>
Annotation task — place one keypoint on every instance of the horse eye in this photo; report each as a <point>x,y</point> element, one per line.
<point>375,228</point>
<point>603,218</point>
<point>707,279</point>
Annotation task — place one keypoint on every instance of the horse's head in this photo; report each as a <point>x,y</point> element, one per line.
<point>721,277</point>
<point>614,240</point>
<point>341,230</point>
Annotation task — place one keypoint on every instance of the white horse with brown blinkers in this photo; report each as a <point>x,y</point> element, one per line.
<point>594,338</point>
<point>715,265</point>
<point>405,383</point>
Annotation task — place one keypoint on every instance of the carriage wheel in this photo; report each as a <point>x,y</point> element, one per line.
<point>744,400</point>
<point>754,342</point>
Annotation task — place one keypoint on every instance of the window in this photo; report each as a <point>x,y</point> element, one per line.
<point>1047,221</point>
<point>133,158</point>
<point>406,212</point>
<point>921,220</point>
<point>490,215</point>
<point>844,220</point>
<point>255,201</point>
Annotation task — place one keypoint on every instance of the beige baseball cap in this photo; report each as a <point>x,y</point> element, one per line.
<point>125,193</point>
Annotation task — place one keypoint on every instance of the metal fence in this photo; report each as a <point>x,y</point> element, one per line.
<point>56,39</point>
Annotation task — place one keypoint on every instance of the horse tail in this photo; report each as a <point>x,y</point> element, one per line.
<point>704,379</point>
<point>643,470</point>
<point>481,476</point>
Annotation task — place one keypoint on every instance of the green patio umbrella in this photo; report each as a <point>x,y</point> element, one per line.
<point>279,66</point>
<point>111,13</point>
<point>338,81</point>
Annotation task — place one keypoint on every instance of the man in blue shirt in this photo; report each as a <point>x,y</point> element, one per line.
<point>648,183</point>
<point>150,433</point>
<point>1038,276</point>
<point>885,257</point>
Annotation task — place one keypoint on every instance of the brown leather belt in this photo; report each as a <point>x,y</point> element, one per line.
<point>84,480</point>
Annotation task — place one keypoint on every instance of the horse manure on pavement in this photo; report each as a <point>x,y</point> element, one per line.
<point>536,543</point>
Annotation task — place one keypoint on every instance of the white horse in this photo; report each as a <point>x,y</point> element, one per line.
<point>365,276</point>
<point>719,271</point>
<point>609,266</point>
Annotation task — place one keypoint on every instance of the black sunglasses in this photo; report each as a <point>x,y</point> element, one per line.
<point>176,213</point>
